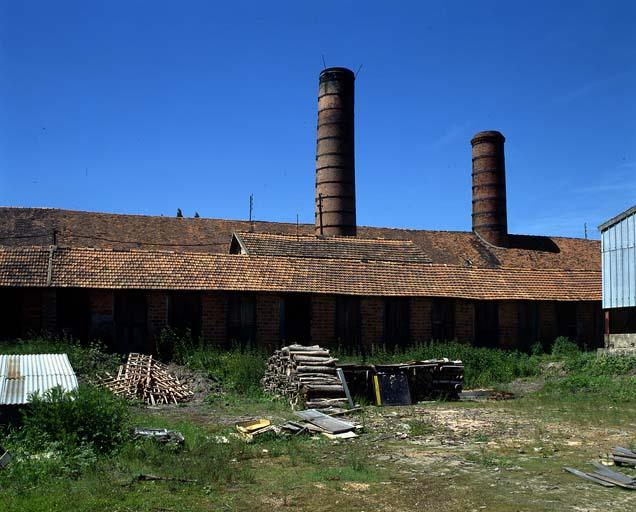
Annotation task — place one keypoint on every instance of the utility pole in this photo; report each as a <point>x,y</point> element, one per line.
<point>320,211</point>
<point>251,210</point>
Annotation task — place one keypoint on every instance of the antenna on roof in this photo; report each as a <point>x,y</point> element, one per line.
<point>251,210</point>
<point>357,72</point>
<point>296,226</point>
<point>324,64</point>
<point>585,229</point>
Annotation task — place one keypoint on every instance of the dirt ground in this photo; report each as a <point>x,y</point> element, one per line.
<point>479,455</point>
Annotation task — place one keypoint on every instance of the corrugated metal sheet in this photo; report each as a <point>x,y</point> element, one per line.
<point>618,248</point>
<point>23,375</point>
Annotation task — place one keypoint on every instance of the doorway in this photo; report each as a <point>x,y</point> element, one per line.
<point>131,327</point>
<point>487,323</point>
<point>296,319</point>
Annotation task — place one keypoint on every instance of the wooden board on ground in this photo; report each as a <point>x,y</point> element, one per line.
<point>343,435</point>
<point>324,422</point>
<point>591,478</point>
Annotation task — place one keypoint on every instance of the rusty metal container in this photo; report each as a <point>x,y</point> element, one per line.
<point>335,155</point>
<point>490,219</point>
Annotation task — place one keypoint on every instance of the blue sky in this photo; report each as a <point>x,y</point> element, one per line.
<point>144,107</point>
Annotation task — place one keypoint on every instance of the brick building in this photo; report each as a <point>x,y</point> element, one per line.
<point>107,277</point>
<point>123,278</point>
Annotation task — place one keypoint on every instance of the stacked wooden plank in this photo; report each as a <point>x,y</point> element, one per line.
<point>622,456</point>
<point>145,378</point>
<point>304,375</point>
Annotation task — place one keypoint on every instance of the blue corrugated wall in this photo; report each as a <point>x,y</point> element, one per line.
<point>618,246</point>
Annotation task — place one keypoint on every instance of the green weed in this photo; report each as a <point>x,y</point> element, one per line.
<point>420,428</point>
<point>85,416</point>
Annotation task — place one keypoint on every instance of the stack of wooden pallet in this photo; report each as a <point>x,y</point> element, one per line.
<point>305,375</point>
<point>144,378</point>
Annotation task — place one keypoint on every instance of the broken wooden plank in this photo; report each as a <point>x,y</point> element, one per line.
<point>589,477</point>
<point>617,475</point>
<point>623,452</point>
<point>623,460</point>
<point>343,381</point>
<point>343,435</point>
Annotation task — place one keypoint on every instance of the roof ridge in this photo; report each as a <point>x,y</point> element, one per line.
<point>219,219</point>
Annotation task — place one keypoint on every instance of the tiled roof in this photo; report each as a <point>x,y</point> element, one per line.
<point>35,226</point>
<point>312,246</point>
<point>113,269</point>
<point>25,267</point>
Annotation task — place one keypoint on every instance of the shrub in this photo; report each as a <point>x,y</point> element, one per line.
<point>86,416</point>
<point>237,369</point>
<point>587,375</point>
<point>34,460</point>
<point>87,359</point>
<point>564,347</point>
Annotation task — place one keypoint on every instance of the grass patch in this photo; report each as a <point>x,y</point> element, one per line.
<point>239,370</point>
<point>354,469</point>
<point>489,458</point>
<point>420,428</point>
<point>588,376</point>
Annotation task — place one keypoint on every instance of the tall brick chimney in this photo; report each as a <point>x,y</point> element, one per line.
<point>335,158</point>
<point>490,220</point>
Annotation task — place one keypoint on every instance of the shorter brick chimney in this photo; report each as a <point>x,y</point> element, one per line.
<point>490,219</point>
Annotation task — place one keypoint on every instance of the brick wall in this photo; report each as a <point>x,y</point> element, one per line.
<point>323,320</point>
<point>508,324</point>
<point>421,316</point>
<point>157,316</point>
<point>49,310</point>
<point>464,320</point>
<point>214,317</point>
<point>31,312</point>
<point>547,323</point>
<point>372,321</point>
<point>101,312</point>
<point>268,319</point>
<point>589,322</point>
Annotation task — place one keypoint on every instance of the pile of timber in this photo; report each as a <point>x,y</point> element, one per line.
<point>429,379</point>
<point>304,375</point>
<point>145,378</point>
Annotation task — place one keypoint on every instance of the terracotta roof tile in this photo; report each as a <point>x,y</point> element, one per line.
<point>27,266</point>
<point>35,226</point>
<point>340,247</point>
<point>112,269</point>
